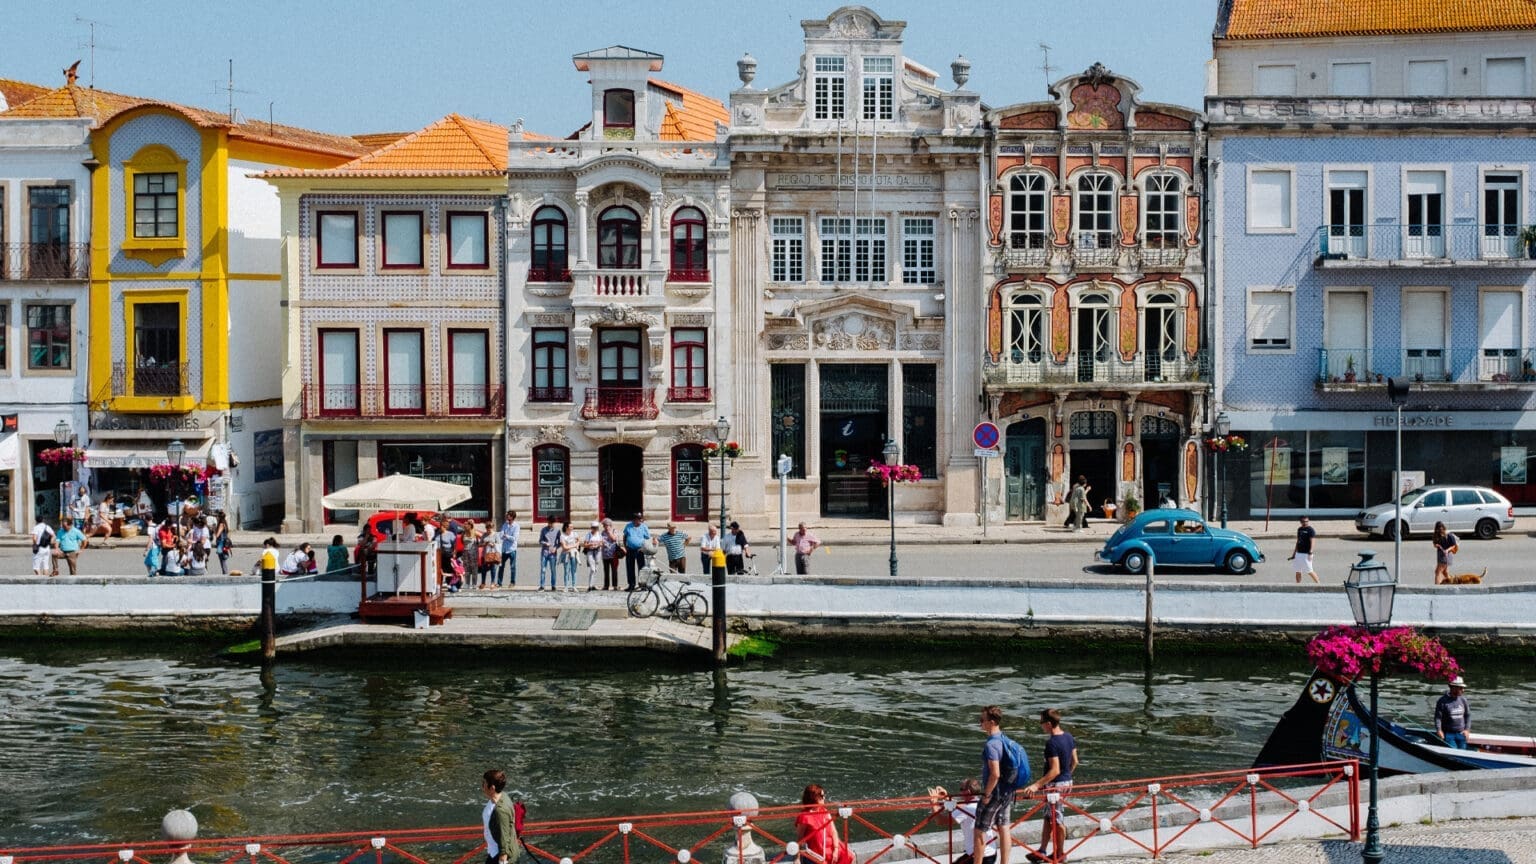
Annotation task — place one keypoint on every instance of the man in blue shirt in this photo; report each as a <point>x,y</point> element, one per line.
<point>1060,762</point>
<point>70,541</point>
<point>549,549</point>
<point>636,535</point>
<point>509,532</point>
<point>994,809</point>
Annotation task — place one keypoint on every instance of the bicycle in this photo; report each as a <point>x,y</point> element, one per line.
<point>681,603</point>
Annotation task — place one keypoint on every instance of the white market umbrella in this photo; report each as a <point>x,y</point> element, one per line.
<point>397,492</point>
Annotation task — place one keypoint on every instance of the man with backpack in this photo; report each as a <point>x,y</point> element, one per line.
<point>1004,768</point>
<point>42,549</point>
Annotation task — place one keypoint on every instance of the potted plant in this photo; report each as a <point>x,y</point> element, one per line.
<point>1528,240</point>
<point>1132,507</point>
<point>1349,369</point>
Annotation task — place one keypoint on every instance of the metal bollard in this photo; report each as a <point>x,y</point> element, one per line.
<point>745,850</point>
<point>179,825</point>
<point>717,608</point>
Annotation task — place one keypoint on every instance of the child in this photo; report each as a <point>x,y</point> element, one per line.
<point>152,556</point>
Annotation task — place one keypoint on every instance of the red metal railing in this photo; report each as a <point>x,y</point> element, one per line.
<point>373,401</point>
<point>620,402</point>
<point>549,274</point>
<point>688,394</point>
<point>687,274</point>
<point>1154,816</point>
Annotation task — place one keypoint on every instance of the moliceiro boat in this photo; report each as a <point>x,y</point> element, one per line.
<point>1329,721</point>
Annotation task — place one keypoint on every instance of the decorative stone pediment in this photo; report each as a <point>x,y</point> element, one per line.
<point>621,432</point>
<point>553,433</point>
<point>849,324</point>
<point>617,313</point>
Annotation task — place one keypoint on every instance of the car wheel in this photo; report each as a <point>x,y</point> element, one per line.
<point>1487,529</point>
<point>1389,530</point>
<point>1238,562</point>
<point>1134,562</point>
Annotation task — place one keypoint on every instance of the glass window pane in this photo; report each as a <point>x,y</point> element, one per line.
<point>402,240</point>
<point>466,240</point>
<point>338,240</point>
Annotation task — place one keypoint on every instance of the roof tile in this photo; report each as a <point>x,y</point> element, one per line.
<point>690,115</point>
<point>14,93</point>
<point>455,146</point>
<point>1298,19</point>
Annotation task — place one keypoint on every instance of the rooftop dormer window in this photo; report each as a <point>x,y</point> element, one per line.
<point>879,93</point>
<point>619,113</point>
<point>829,88</point>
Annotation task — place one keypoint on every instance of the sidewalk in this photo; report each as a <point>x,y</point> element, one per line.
<point>1491,841</point>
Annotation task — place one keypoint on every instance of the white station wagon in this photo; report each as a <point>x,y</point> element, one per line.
<point>1474,509</point>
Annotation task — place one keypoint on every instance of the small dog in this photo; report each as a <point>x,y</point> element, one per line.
<point>1468,578</point>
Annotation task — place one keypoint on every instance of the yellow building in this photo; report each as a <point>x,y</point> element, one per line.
<point>185,279</point>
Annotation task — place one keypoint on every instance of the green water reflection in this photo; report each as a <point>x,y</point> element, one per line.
<point>99,741</point>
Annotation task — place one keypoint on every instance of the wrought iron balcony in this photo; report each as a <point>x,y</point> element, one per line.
<point>1395,244</point>
<point>1022,368</point>
<point>1027,250</point>
<point>549,274</point>
<point>689,394</point>
<point>373,401</point>
<point>161,379</point>
<point>1166,257</point>
<point>1458,368</point>
<point>677,274</point>
<point>23,262</point>
<point>1096,250</point>
<point>549,394</point>
<point>634,402</point>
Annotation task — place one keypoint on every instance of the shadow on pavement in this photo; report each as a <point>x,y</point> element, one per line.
<point>1340,852</point>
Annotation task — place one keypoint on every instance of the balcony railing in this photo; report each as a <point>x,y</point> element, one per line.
<point>1400,244</point>
<point>1095,249</point>
<point>404,402</point>
<point>1083,367</point>
<point>635,402</point>
<point>549,274</point>
<point>1028,249</point>
<point>1162,257</point>
<point>689,394</point>
<point>39,261</point>
<point>621,283</point>
<point>677,274</point>
<point>1344,368</point>
<point>549,394</point>
<point>164,379</point>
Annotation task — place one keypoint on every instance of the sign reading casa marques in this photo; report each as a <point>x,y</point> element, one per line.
<point>829,180</point>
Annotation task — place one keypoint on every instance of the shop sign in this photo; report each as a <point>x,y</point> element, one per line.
<point>688,494</point>
<point>106,421</point>
<point>832,180</point>
<point>1416,421</point>
<point>550,464</point>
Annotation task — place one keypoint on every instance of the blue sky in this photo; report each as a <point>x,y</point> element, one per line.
<point>386,65</point>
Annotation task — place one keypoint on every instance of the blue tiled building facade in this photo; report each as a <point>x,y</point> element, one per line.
<point>1359,239</point>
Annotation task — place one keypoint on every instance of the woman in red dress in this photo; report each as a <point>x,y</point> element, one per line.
<point>817,832</point>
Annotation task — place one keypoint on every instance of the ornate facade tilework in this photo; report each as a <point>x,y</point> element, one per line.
<point>182,138</point>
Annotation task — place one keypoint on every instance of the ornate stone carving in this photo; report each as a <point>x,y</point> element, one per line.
<point>656,471</point>
<point>690,319</point>
<point>853,331</point>
<point>921,341</point>
<point>549,290</point>
<point>1191,471</point>
<point>551,434</point>
<point>549,319</point>
<point>618,313</point>
<point>1192,221</point>
<point>1061,218</point>
<point>788,342</point>
<point>1128,222</point>
<point>583,368</point>
<point>852,26</point>
<point>691,434</point>
<point>1095,105</point>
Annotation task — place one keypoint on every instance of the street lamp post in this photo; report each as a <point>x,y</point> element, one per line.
<point>1371,589</point>
<point>1223,429</point>
<point>892,454</point>
<point>717,568</point>
<point>175,452</point>
<point>722,431</point>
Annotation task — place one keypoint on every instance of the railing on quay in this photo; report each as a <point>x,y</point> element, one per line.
<point>1155,816</point>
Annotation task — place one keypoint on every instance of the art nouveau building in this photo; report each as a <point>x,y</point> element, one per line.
<point>855,193</point>
<point>1093,362</point>
<point>617,253</point>
<point>393,319</point>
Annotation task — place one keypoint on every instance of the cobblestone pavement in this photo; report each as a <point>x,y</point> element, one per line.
<point>1494,841</point>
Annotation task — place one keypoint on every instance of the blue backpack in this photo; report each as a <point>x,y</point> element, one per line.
<point>1013,767</point>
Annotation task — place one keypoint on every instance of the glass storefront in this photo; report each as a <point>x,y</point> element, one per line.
<point>467,463</point>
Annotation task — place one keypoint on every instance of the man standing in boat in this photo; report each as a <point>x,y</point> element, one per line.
<point>1453,716</point>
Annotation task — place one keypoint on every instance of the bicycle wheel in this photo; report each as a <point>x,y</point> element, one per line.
<point>643,602</point>
<point>692,608</point>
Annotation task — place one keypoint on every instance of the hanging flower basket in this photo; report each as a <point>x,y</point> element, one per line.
<point>889,474</point>
<point>1226,443</point>
<point>712,449</point>
<point>1347,653</point>
<point>182,473</point>
<point>60,455</point>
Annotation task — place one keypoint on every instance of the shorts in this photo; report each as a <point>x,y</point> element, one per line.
<point>42,560</point>
<point>1303,563</point>
<point>996,811</point>
<point>1056,812</point>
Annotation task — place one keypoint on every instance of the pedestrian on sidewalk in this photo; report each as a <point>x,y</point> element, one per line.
<point>592,544</point>
<point>489,552</point>
<point>736,550</point>
<point>1077,502</point>
<point>1453,716</point>
<point>42,549</point>
<point>675,544</point>
<point>549,554</point>
<point>70,541</point>
<point>707,546</point>
<point>502,845</point>
<point>1446,547</point>
<point>1301,553</point>
<point>636,535</point>
<point>153,556</point>
<point>509,534</point>
<point>613,550</point>
<point>570,556</point>
<point>174,558</point>
<point>805,543</point>
<point>1060,763</point>
<point>167,537</point>
<point>222,544</point>
<point>1003,767</point>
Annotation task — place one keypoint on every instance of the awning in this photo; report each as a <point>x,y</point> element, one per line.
<point>139,454</point>
<point>8,453</point>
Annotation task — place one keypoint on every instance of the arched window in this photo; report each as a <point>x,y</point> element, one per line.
<point>1095,343</point>
<point>1164,211</point>
<point>690,246</point>
<point>1027,210</point>
<point>1027,328</point>
<point>551,262</point>
<point>1160,338</point>
<point>618,239</point>
<point>1095,211</point>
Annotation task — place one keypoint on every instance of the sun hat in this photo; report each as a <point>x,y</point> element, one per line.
<point>1458,682</point>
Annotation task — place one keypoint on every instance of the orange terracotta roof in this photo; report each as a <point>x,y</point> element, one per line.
<point>375,140</point>
<point>16,92</point>
<point>690,116</point>
<point>101,106</point>
<point>455,146</point>
<point>1296,19</point>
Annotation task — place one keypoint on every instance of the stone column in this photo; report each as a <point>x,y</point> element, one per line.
<point>656,250</point>
<point>581,230</point>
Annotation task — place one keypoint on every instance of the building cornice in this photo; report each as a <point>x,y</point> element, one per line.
<point>1370,112</point>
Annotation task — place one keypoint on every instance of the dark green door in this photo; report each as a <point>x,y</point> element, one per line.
<point>1024,470</point>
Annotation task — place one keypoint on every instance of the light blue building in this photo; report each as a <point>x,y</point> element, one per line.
<point>1372,202</point>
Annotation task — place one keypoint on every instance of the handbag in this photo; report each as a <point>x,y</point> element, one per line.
<point>491,556</point>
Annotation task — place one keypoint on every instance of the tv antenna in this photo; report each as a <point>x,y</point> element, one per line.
<point>1045,64</point>
<point>91,44</point>
<point>229,89</point>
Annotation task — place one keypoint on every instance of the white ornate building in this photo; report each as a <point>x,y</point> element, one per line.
<point>617,244</point>
<point>855,195</point>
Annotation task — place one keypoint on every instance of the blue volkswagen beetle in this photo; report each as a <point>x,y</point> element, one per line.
<point>1178,537</point>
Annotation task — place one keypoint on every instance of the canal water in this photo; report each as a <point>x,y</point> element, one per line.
<point>97,742</point>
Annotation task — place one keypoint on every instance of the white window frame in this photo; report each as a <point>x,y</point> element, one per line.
<point>1145,310</point>
<point>1012,334</point>
<point>1269,168</point>
<point>883,83</point>
<point>786,249</point>
<point>834,235</point>
<point>1482,293</point>
<point>1483,91</point>
<point>1523,189</point>
<point>1113,230</point>
<point>1370,71</point>
<point>1408,65</point>
<point>1295,77</point>
<point>1265,350</point>
<point>1370,324</point>
<point>1445,326</point>
<point>1368,200</point>
<point>1444,169</point>
<point>918,246</point>
<point>871,249</point>
<point>836,81</point>
<point>1045,209</point>
<point>1178,215</point>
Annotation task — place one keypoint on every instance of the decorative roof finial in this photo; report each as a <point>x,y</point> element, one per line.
<point>746,70</point>
<point>1098,74</point>
<point>960,71</point>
